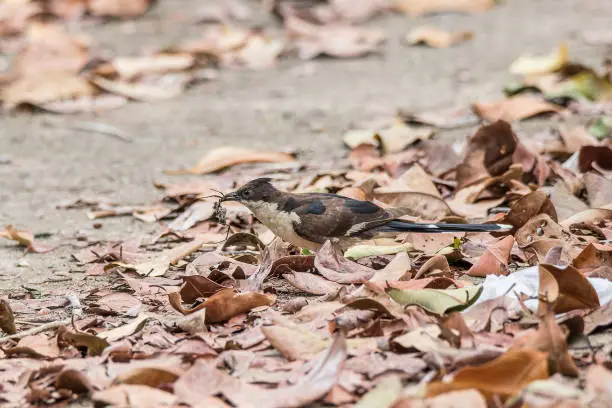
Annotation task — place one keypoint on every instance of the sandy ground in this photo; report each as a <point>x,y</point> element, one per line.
<point>306,105</point>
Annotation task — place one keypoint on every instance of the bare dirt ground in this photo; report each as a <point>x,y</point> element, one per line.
<point>305,105</point>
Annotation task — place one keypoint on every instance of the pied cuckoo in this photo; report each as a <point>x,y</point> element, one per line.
<point>307,220</point>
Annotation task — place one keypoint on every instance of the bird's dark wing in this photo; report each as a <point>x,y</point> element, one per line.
<point>325,216</point>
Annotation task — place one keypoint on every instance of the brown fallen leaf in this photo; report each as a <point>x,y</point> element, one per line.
<point>494,261</point>
<point>224,304</point>
<point>566,204</point>
<point>418,7</point>
<point>330,263</point>
<point>26,239</point>
<point>93,344</point>
<point>601,156</point>
<point>35,346</point>
<point>126,330</point>
<point>514,108</point>
<point>529,206</point>
<point>43,90</point>
<point>311,283</point>
<point>506,376</point>
<point>540,234</point>
<point>158,264</point>
<point>49,49</point>
<point>435,37</point>
<point>115,304</point>
<point>599,190</point>
<point>197,286</point>
<point>416,179</point>
<point>551,339</point>
<point>566,288</point>
<point>487,153</point>
<point>222,157</point>
<point>119,8</point>
<point>154,376</point>
<point>592,257</point>
<point>73,380</point>
<point>334,40</point>
<point>259,52</point>
<point>16,16</point>
<point>196,213</point>
<point>592,216</point>
<point>136,396</point>
<point>7,319</point>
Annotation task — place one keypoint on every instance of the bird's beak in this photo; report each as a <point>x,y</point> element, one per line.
<point>231,197</point>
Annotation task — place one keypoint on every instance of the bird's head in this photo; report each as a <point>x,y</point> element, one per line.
<point>258,190</point>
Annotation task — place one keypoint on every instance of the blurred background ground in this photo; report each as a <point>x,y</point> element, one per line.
<point>304,105</point>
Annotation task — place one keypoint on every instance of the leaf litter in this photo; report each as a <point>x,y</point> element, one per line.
<point>212,312</point>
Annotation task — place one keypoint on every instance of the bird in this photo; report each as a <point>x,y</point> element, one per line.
<point>308,220</point>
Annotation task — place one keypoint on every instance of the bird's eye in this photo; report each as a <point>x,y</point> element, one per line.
<point>246,194</point>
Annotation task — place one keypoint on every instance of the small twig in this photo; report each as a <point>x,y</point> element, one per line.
<point>35,330</point>
<point>96,127</point>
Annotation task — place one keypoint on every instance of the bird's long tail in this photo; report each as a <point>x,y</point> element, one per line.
<point>405,226</point>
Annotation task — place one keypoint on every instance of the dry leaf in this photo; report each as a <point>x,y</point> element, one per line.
<point>505,376</point>
<point>573,291</point>
<point>158,264</point>
<point>26,239</point>
<point>225,304</point>
<point>436,38</point>
<point>330,263</point>
<point>222,157</point>
<point>340,41</point>
<point>514,108</point>
<point>311,283</point>
<point>119,8</point>
<point>7,319</point>
<point>418,7</point>
<point>495,259</point>
<point>537,65</point>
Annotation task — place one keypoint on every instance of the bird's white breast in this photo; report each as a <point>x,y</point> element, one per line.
<point>279,222</point>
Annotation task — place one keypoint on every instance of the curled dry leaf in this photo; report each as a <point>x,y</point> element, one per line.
<point>514,108</point>
<point>535,65</point>
<point>224,304</point>
<point>197,286</point>
<point>392,139</point>
<point>494,261</point>
<point>566,288</point>
<point>7,319</point>
<point>334,40</point>
<point>590,157</point>
<point>330,263</point>
<point>197,212</point>
<point>94,345</point>
<point>158,264</point>
<point>593,257</point>
<point>566,204</point>
<point>126,330</point>
<point>222,157</point>
<point>549,338</point>
<point>505,376</point>
<point>529,206</point>
<point>26,239</point>
<point>438,301</point>
<point>43,90</point>
<point>436,38</point>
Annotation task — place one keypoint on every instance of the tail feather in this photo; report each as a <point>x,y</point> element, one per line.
<point>404,226</point>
